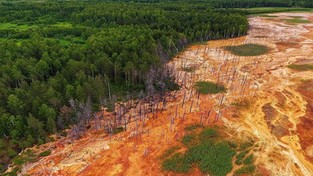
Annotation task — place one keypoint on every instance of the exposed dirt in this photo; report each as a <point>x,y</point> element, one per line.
<point>275,109</point>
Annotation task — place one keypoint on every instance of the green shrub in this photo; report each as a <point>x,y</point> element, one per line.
<point>240,156</point>
<point>45,153</point>
<point>248,160</point>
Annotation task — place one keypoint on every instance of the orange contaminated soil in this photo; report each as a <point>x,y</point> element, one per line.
<point>262,103</point>
<point>305,129</point>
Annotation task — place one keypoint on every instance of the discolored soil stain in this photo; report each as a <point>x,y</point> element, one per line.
<point>276,122</point>
<point>305,127</point>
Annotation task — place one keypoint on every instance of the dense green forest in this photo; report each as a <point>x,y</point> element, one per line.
<point>61,60</point>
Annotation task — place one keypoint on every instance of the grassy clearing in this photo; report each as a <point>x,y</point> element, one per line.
<point>247,50</point>
<point>205,87</point>
<point>273,10</point>
<point>205,150</point>
<point>297,21</point>
<point>304,67</point>
<point>6,26</point>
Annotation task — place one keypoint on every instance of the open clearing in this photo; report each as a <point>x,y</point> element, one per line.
<point>265,101</point>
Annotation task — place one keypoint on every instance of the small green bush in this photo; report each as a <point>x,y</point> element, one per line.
<point>45,153</point>
<point>240,156</point>
<point>248,160</point>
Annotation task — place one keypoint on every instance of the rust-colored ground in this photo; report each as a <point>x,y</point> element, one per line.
<point>265,101</point>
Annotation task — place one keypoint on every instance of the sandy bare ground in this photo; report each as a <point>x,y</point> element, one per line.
<point>274,117</point>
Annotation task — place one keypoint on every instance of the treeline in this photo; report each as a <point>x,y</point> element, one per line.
<point>59,61</point>
<point>235,3</point>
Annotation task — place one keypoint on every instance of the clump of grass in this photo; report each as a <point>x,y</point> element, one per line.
<point>205,87</point>
<point>248,50</point>
<point>45,153</point>
<point>304,67</point>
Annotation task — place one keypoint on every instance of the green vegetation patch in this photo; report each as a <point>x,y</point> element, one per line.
<point>304,67</point>
<point>205,150</point>
<point>205,87</point>
<point>45,153</point>
<point>297,21</point>
<point>240,156</point>
<point>274,9</point>
<point>6,26</point>
<point>247,50</point>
